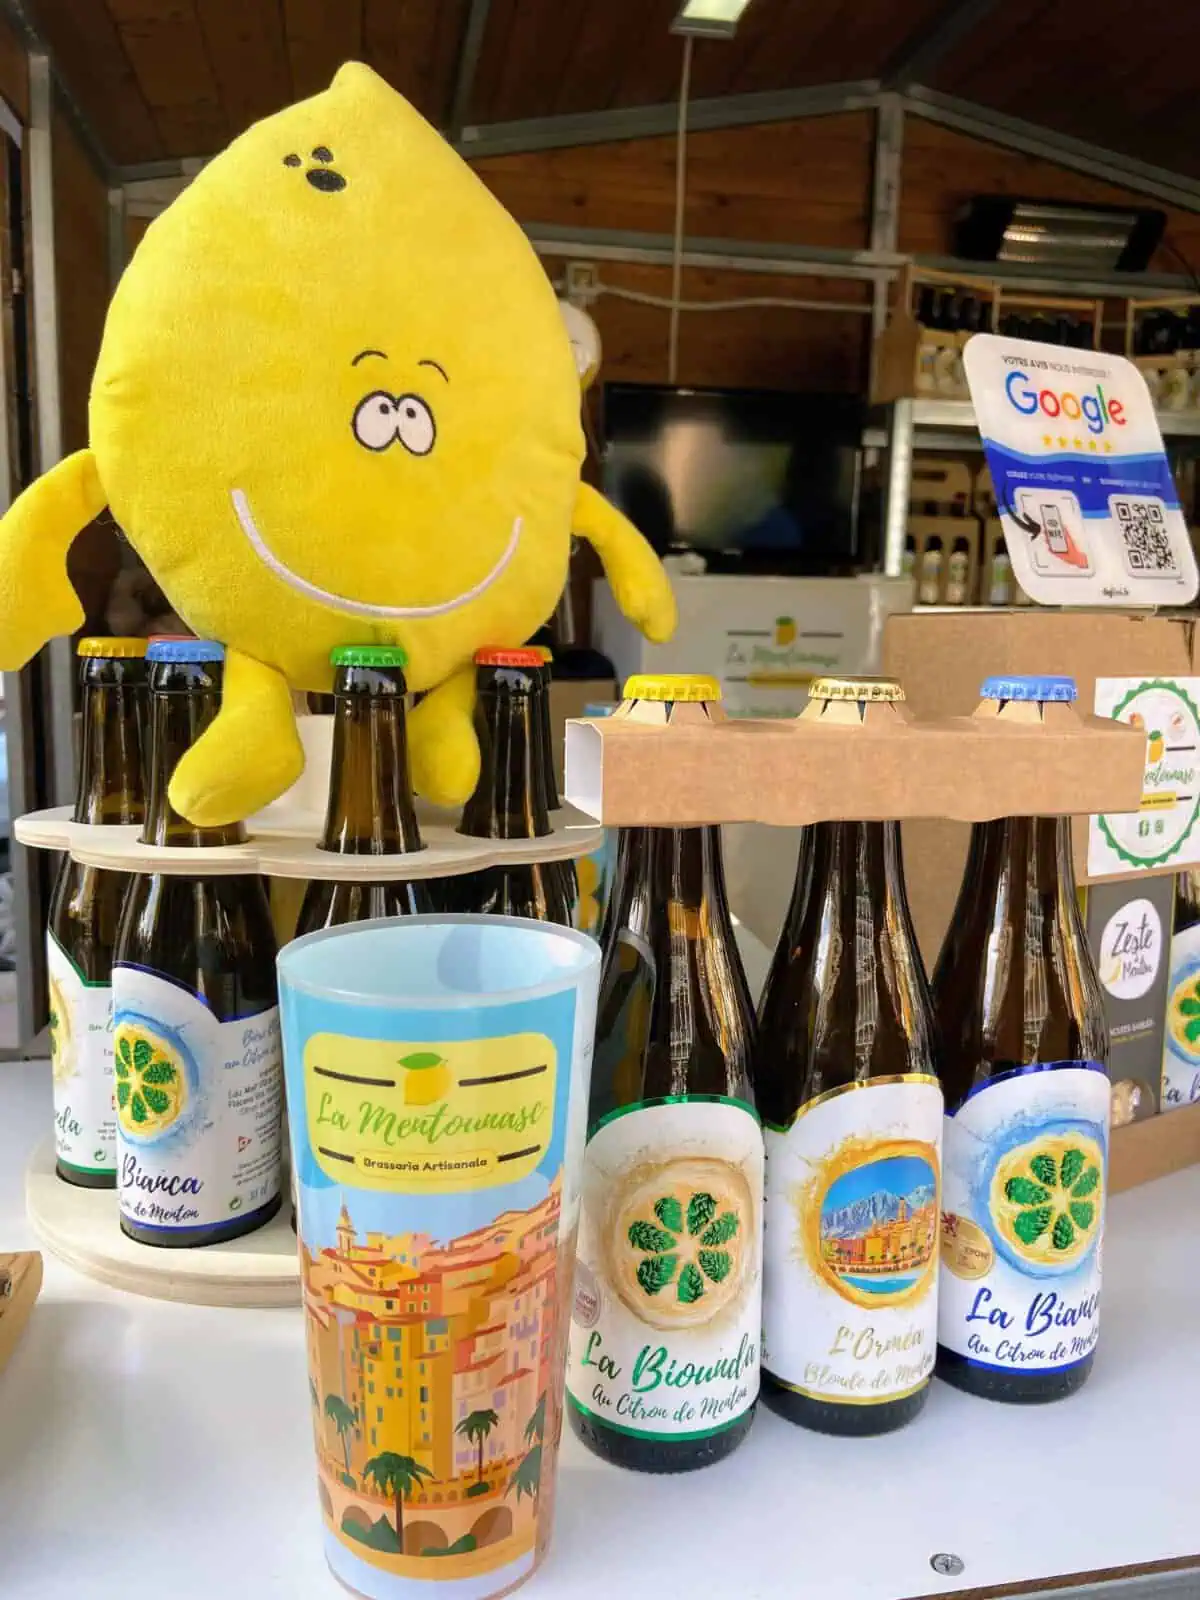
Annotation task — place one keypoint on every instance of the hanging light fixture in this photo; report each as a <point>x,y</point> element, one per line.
<point>709,19</point>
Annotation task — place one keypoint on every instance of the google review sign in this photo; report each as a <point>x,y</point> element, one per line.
<point>1082,483</point>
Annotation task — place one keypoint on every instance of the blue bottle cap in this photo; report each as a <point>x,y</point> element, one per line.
<point>185,650</point>
<point>1006,687</point>
<point>595,708</point>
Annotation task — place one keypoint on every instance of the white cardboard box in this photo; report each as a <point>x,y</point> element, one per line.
<point>765,638</point>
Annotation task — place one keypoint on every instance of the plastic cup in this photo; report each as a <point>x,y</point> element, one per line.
<point>437,1074</point>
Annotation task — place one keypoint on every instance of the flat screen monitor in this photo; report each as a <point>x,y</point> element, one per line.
<point>753,481</point>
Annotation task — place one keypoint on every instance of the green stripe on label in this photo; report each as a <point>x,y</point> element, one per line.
<point>646,1433</point>
<point>673,1100</point>
<point>88,983</point>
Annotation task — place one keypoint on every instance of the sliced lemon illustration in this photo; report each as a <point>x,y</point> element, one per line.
<point>1183,1016</point>
<point>1047,1198</point>
<point>682,1241</point>
<point>62,1035</point>
<point>151,1089</point>
<point>427,1077</point>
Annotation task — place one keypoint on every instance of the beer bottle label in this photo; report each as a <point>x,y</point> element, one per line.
<point>85,1130</point>
<point>850,1246</point>
<point>198,1106</point>
<point>1023,1212</point>
<point>664,1339</point>
<point>1181,1041</point>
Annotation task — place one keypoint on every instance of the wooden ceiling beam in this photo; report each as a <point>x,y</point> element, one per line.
<point>917,58</point>
<point>469,53</point>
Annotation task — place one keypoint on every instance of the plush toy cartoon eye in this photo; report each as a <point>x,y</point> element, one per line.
<point>375,421</point>
<point>414,424</point>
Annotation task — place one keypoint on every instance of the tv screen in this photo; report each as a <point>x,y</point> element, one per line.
<point>755,482</point>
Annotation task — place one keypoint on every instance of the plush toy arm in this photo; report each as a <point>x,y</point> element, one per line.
<point>247,756</point>
<point>641,586</point>
<point>37,601</point>
<point>445,751</point>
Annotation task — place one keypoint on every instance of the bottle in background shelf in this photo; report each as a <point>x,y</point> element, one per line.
<point>566,870</point>
<point>1181,1039</point>
<point>85,909</point>
<point>958,572</point>
<point>509,801</point>
<point>595,871</point>
<point>845,1078</point>
<point>197,1058</point>
<point>1000,580</point>
<point>1024,1052</point>
<point>929,588</point>
<point>668,1280</point>
<point>370,809</point>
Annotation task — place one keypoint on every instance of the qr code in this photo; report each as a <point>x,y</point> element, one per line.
<point>1144,530</point>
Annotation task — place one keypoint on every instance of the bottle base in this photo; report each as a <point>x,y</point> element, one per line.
<point>828,1416</point>
<point>656,1455</point>
<point>220,1233</point>
<point>81,1179</point>
<point>1014,1388</point>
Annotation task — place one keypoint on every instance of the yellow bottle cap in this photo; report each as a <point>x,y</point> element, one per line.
<point>696,686</point>
<point>856,689</point>
<point>116,649</point>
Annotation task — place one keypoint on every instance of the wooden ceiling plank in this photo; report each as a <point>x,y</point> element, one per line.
<point>246,48</point>
<point>164,41</point>
<point>399,41</point>
<point>788,48</point>
<point>717,63</point>
<point>592,68</point>
<point>88,51</point>
<point>537,57</point>
<point>502,16</point>
<point>651,67</point>
<point>320,35</point>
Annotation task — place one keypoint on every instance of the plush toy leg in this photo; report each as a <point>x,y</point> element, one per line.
<point>445,751</point>
<point>37,601</point>
<point>641,586</point>
<point>248,755</point>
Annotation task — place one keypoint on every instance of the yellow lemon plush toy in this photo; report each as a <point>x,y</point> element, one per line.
<point>335,404</point>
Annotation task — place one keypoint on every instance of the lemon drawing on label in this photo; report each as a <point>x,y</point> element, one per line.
<point>151,1089</point>
<point>1183,1016</point>
<point>427,1077</point>
<point>681,1241</point>
<point>62,1034</point>
<point>1047,1198</point>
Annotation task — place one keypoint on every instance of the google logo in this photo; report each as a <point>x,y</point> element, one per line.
<point>1096,409</point>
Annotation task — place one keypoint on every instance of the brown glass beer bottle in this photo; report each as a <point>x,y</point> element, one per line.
<point>84,912</point>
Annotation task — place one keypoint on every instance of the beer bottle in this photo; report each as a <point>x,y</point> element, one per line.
<point>845,1079</point>
<point>509,801</point>
<point>85,909</point>
<point>197,1055</point>
<point>370,810</point>
<point>1027,1106</point>
<point>663,1366</point>
<point>567,871</point>
<point>1181,1039</point>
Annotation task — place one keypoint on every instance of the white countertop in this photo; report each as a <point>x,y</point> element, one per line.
<point>161,1452</point>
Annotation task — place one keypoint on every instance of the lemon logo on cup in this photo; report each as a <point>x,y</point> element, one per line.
<point>1047,1198</point>
<point>682,1241</point>
<point>427,1077</point>
<point>62,1035</point>
<point>151,1087</point>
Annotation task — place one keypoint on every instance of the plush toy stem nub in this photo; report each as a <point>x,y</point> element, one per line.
<point>37,601</point>
<point>247,756</point>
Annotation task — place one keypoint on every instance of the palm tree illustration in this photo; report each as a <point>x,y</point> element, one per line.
<point>476,1427</point>
<point>397,1476</point>
<point>535,1428</point>
<point>343,1418</point>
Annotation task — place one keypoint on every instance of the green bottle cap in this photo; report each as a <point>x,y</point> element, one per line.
<point>368,655</point>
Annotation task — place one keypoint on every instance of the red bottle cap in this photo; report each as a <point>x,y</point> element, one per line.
<point>513,656</point>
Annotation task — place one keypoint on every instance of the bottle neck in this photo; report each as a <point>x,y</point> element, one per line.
<point>510,798</point>
<point>178,716</point>
<point>370,810</point>
<point>111,784</point>
<point>669,883</point>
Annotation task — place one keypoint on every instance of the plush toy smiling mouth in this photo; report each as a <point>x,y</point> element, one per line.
<point>362,608</point>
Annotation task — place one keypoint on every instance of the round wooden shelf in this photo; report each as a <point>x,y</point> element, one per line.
<point>81,1228</point>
